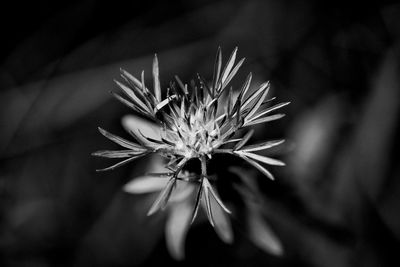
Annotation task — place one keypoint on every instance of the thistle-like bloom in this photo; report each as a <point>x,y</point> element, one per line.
<point>195,122</point>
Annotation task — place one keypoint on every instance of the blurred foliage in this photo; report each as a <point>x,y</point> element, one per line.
<point>335,204</point>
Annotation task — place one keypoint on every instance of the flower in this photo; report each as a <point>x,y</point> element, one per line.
<point>194,123</point>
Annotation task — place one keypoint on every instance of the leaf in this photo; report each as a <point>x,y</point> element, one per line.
<point>145,184</point>
<point>243,91</point>
<point>255,107</point>
<point>118,153</point>
<point>149,129</point>
<point>222,223</point>
<point>263,159</point>
<point>119,140</point>
<point>262,146</point>
<point>119,164</point>
<point>257,166</point>
<point>181,85</point>
<point>183,190</point>
<point>229,65</point>
<point>132,106</point>
<point>207,205</point>
<point>217,69</point>
<point>262,235</point>
<point>207,184</point>
<point>131,78</point>
<point>244,140</point>
<point>265,119</point>
<point>163,197</point>
<point>232,74</point>
<point>156,79</point>
<point>197,202</point>
<point>277,106</point>
<point>254,95</point>
<point>132,96</point>
<point>176,228</point>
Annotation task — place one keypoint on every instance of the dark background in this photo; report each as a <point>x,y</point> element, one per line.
<point>335,204</point>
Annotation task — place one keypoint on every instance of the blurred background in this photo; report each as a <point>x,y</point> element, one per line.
<point>337,201</point>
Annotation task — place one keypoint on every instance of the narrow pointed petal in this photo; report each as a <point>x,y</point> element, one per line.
<point>263,159</point>
<point>182,192</point>
<point>265,87</point>
<point>197,202</point>
<point>266,111</point>
<point>132,106</point>
<point>207,205</point>
<point>118,153</point>
<point>257,166</point>
<point>135,123</point>
<point>119,164</point>
<point>163,197</point>
<point>243,91</point>
<point>119,140</point>
<point>262,146</point>
<point>156,79</point>
<point>265,119</point>
<point>229,65</point>
<point>233,73</point>
<point>215,195</point>
<point>246,138</point>
<point>131,78</point>
<point>222,223</point>
<point>132,95</point>
<point>217,70</point>
<point>254,95</point>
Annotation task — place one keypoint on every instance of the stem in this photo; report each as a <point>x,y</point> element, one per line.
<point>203,167</point>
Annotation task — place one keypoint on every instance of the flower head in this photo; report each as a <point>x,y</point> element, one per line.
<point>194,122</point>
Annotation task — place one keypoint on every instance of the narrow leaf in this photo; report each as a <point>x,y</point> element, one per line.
<point>131,95</point>
<point>163,197</point>
<point>233,73</point>
<point>244,140</point>
<point>265,119</point>
<point>257,166</point>
<point>254,95</point>
<point>229,65</point>
<point>118,153</point>
<point>131,78</point>
<point>156,79</point>
<point>207,206</point>
<point>243,91</point>
<point>197,202</point>
<point>263,159</point>
<point>215,195</point>
<point>259,101</point>
<point>217,69</point>
<point>119,140</point>
<point>120,163</point>
<point>262,146</point>
<point>222,223</point>
<point>266,111</point>
<point>181,85</point>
